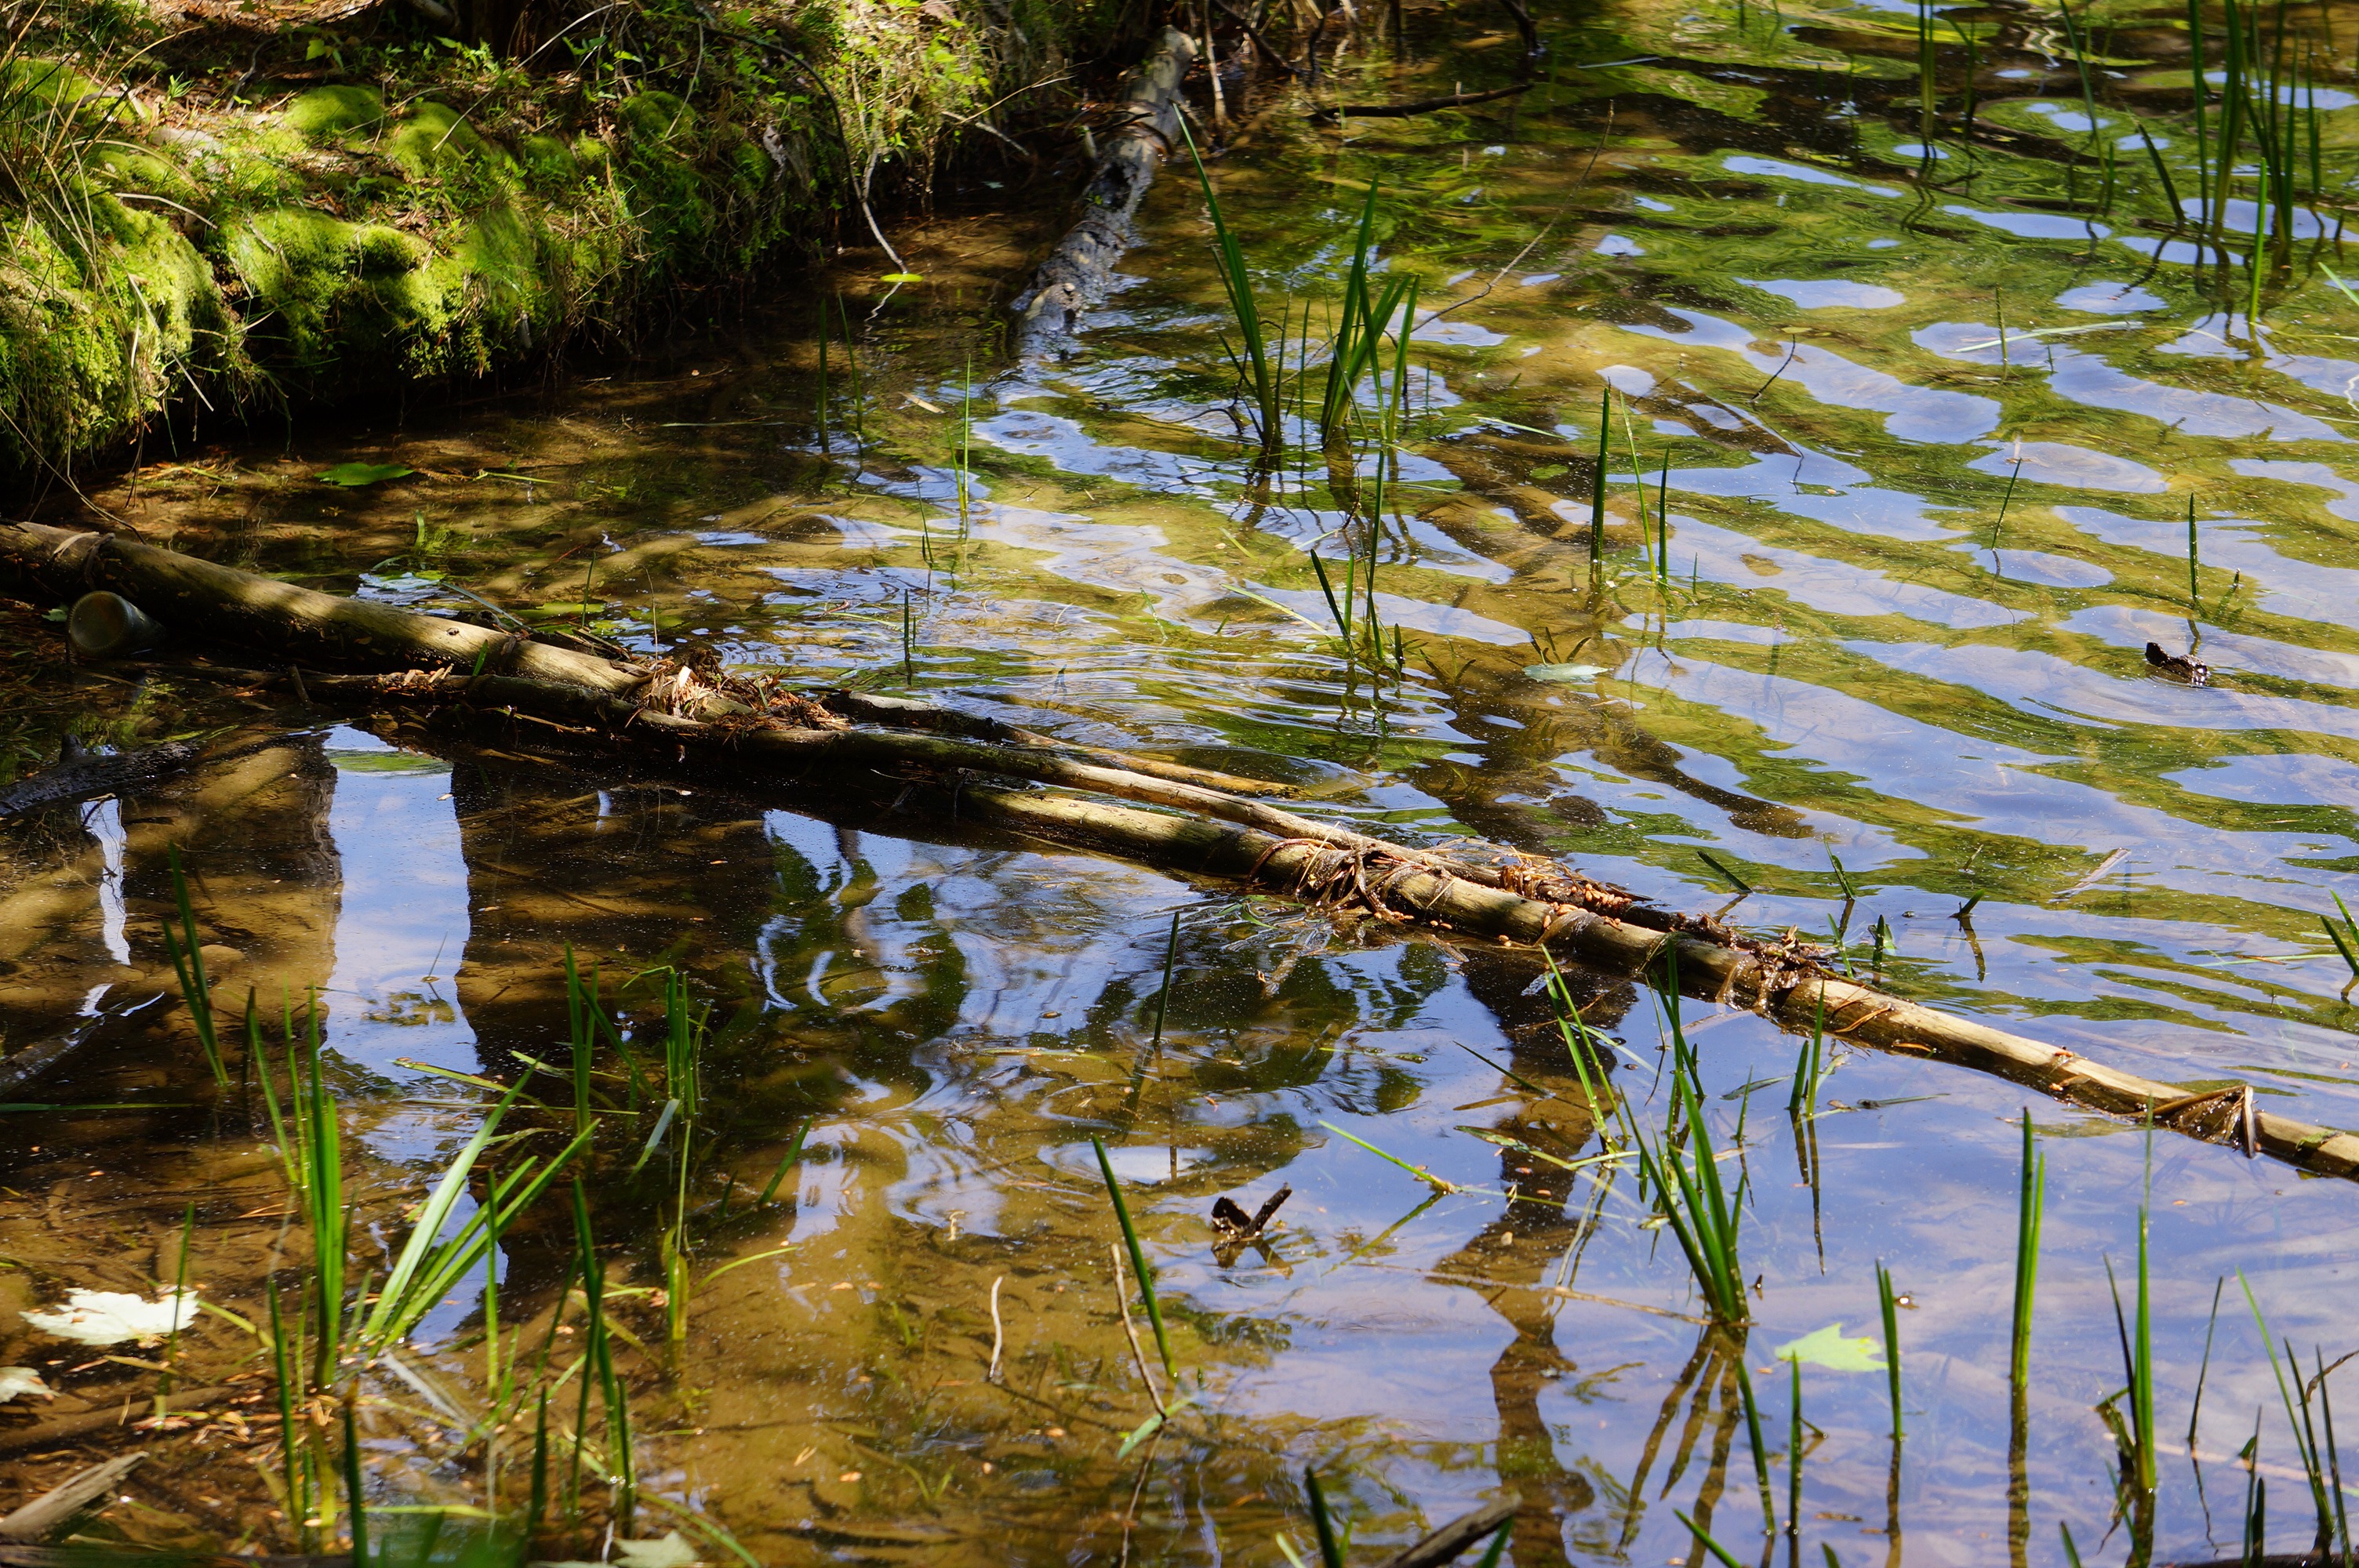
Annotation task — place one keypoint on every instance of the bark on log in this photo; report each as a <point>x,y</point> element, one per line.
<point>1518,901</point>
<point>1074,276</point>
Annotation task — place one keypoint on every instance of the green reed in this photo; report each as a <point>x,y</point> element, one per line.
<point>356,1504</point>
<point>1137,1259</point>
<point>1597,481</point>
<point>794,1153</point>
<point>2323,1474</point>
<point>430,1265</point>
<point>189,964</point>
<point>1163,995</point>
<point>1578,1036</point>
<point>2138,1436</point>
<point>1360,327</point>
<point>1890,1302</point>
<point>1696,1206</point>
<point>322,1193</point>
<point>285,1358</point>
<point>1714,861</point>
<point>2345,938</point>
<point>1809,1066</point>
<point>1794,1454</point>
<point>2194,600</point>
<point>1236,280</point>
<point>1752,1409</point>
<point>598,1368</point>
<point>2031,1207</point>
<point>1663,523</point>
<point>1720,1554</point>
<point>1330,1549</point>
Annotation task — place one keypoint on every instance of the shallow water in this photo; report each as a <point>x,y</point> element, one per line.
<point>1912,564</point>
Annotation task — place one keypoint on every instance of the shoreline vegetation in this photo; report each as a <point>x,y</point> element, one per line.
<point>250,206</point>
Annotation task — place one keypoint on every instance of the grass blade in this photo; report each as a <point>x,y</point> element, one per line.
<point>1138,1261</point>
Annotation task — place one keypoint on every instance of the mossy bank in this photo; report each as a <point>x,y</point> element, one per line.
<point>233,207</point>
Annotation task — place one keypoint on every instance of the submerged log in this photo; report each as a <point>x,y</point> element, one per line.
<point>1075,274</point>
<point>201,601</point>
<point>79,773</point>
<point>1205,824</point>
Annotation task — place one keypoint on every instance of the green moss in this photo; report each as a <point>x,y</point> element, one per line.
<point>333,111</point>
<point>98,323</point>
<point>370,232</point>
<point>435,140</point>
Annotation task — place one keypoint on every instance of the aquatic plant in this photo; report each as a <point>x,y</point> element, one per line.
<point>1697,1208</point>
<point>2031,1211</point>
<point>2345,938</point>
<point>2303,1401</point>
<point>189,966</point>
<point>1809,1066</point>
<point>1236,280</point>
<point>1138,1259</point>
<point>1890,1302</point>
<point>431,1264</point>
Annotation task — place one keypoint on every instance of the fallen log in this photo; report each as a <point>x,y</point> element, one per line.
<point>1200,826</point>
<point>79,773</point>
<point>200,600</point>
<point>1075,274</point>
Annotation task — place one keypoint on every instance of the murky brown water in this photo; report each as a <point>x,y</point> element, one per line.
<point>1856,655</point>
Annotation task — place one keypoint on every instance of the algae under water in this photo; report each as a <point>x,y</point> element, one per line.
<point>1904,442</point>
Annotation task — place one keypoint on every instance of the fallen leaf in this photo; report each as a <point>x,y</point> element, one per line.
<point>352,476</point>
<point>110,1318</point>
<point>666,1551</point>
<point>15,1380</point>
<point>1827,1347</point>
<point>1569,673</point>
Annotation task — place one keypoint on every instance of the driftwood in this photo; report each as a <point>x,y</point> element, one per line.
<point>61,1503</point>
<point>1075,274</point>
<point>961,767</point>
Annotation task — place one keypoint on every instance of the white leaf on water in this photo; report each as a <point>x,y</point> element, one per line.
<point>15,1380</point>
<point>666,1551</point>
<point>110,1318</point>
<point>1569,674</point>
